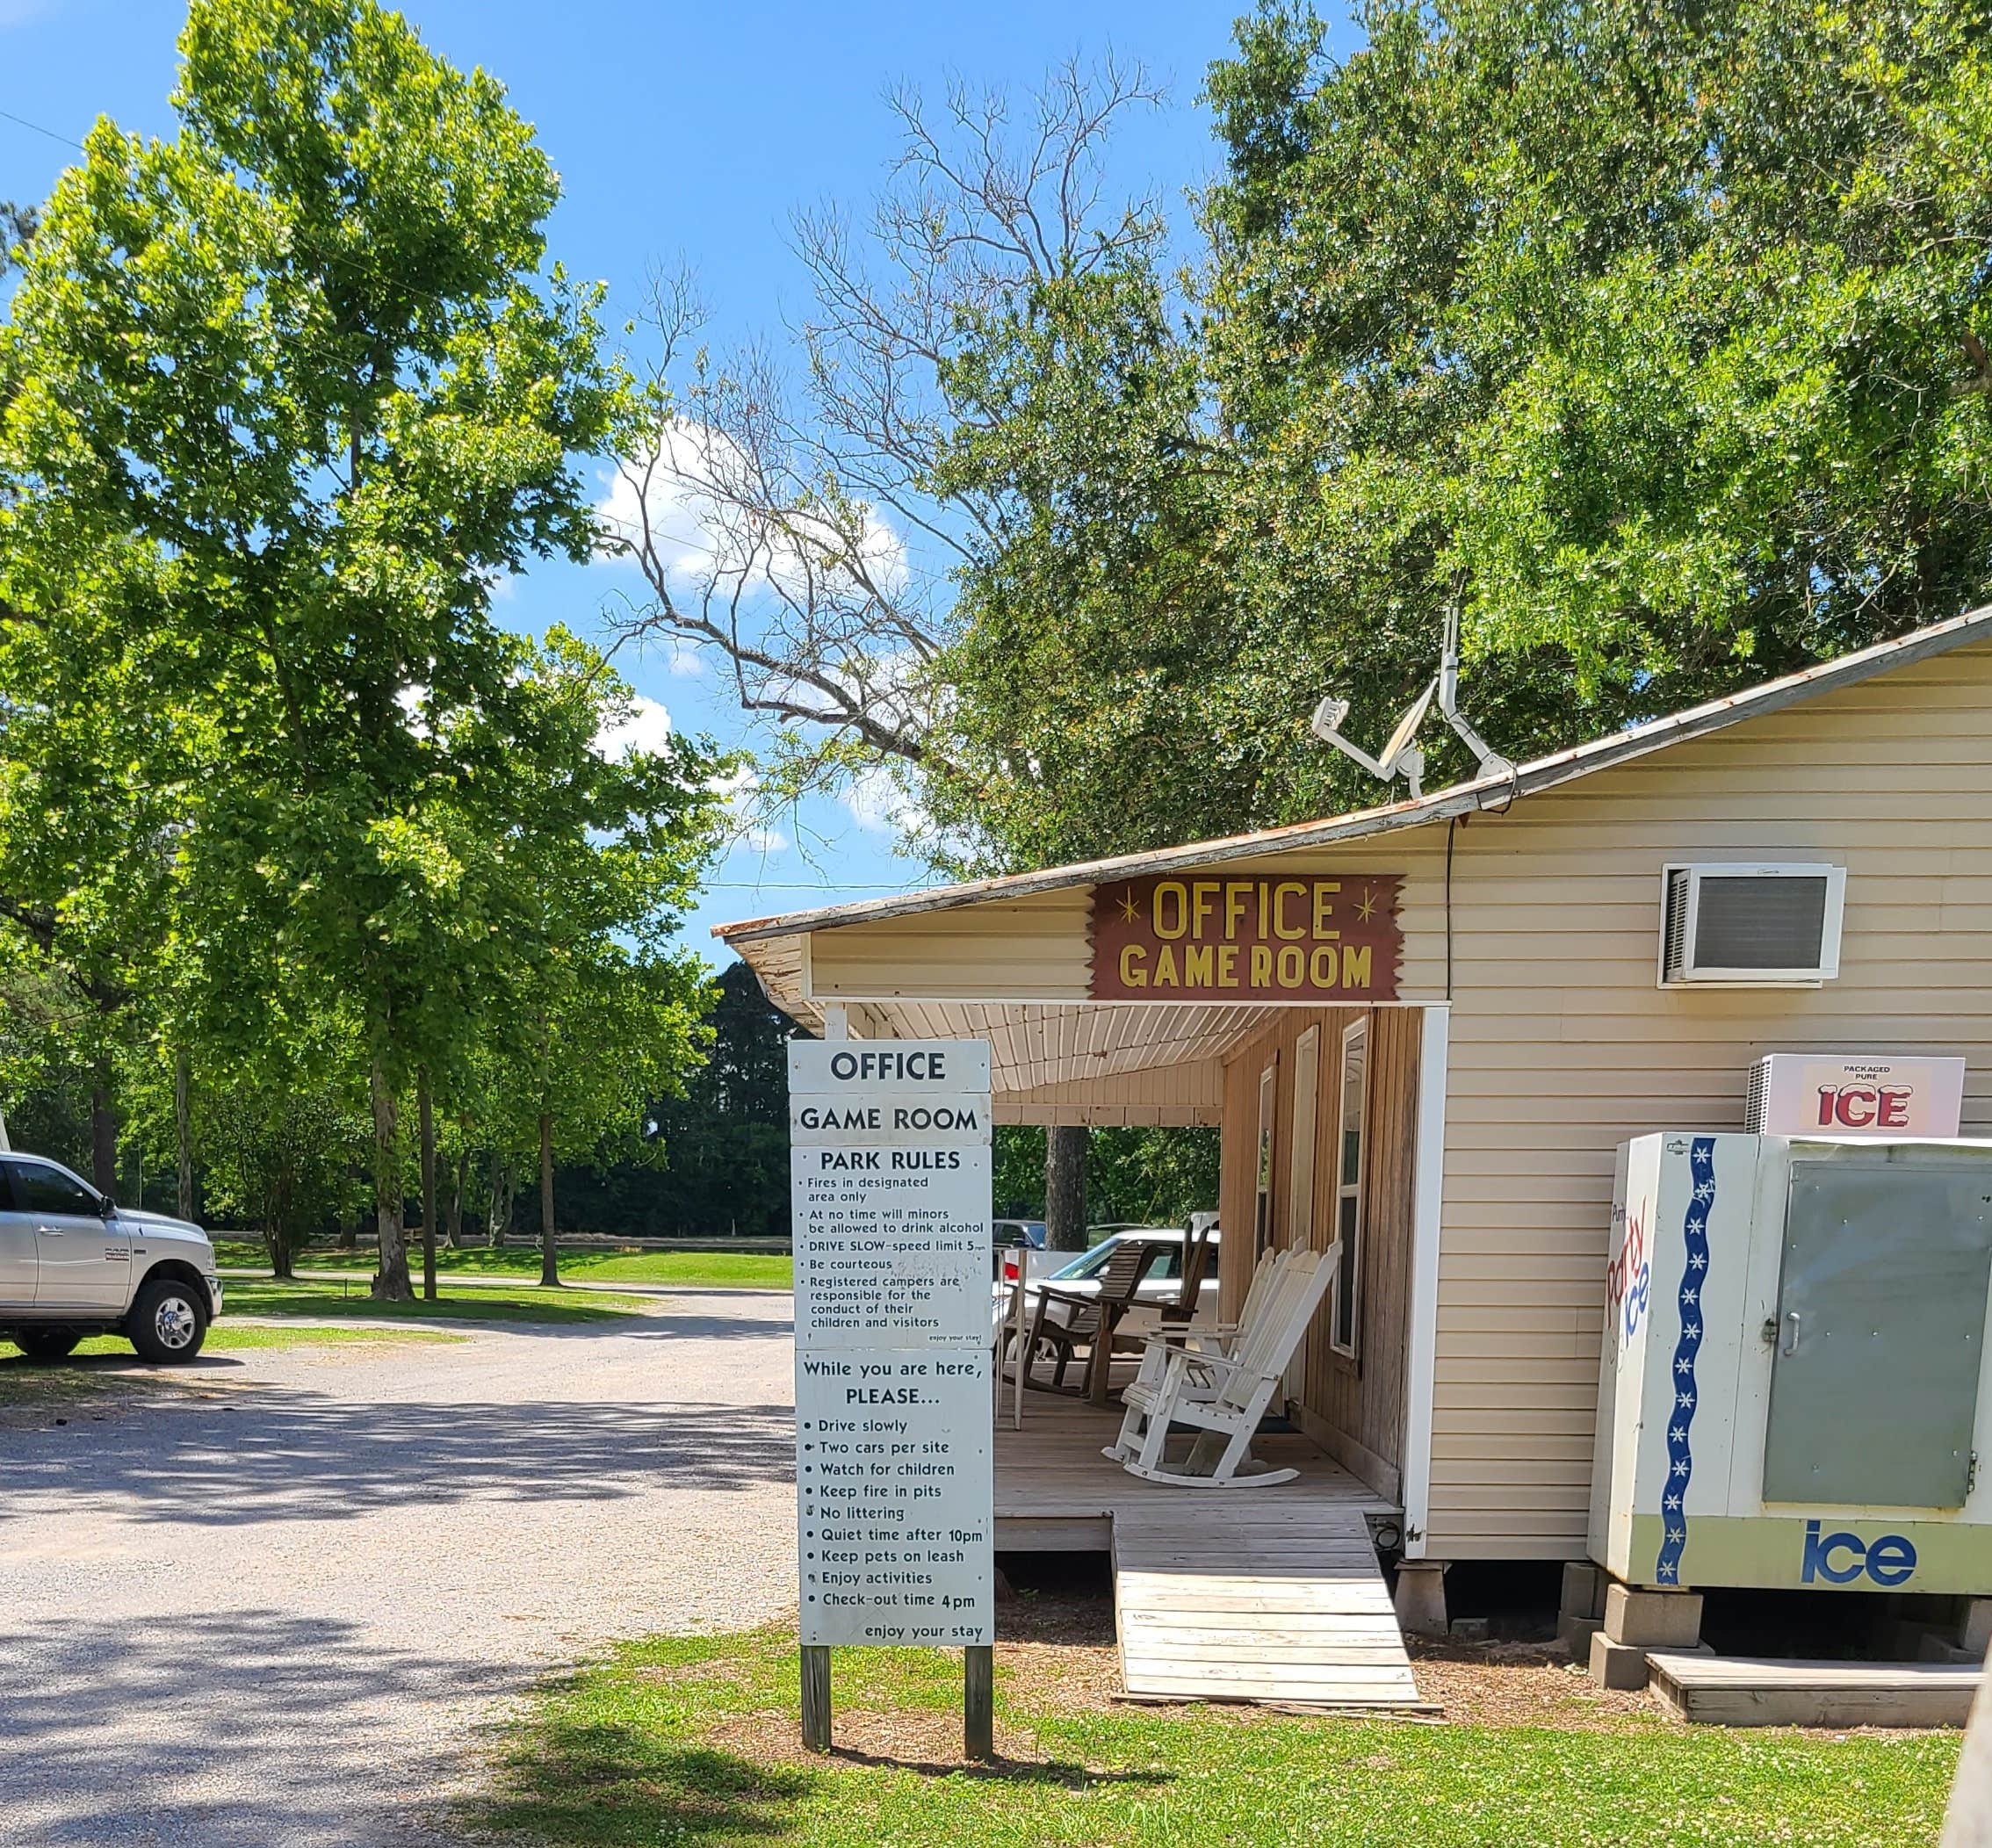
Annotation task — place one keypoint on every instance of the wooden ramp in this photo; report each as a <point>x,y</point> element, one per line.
<point>1250,1603</point>
<point>1219,1594</point>
<point>1748,1690</point>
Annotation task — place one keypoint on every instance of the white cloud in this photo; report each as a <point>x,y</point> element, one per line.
<point>682,658</point>
<point>681,525</point>
<point>877,803</point>
<point>695,491</point>
<point>647,727</point>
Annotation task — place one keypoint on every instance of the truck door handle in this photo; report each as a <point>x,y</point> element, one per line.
<point>50,1231</point>
<point>1792,1332</point>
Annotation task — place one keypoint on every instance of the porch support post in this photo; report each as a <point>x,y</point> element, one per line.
<point>1421,1348</point>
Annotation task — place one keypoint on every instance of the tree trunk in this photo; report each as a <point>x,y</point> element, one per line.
<point>103,1137</point>
<point>391,1283</point>
<point>183,1133</point>
<point>503,1191</point>
<point>456,1220</point>
<point>349,1235</point>
<point>278,1239</point>
<point>1064,1188</point>
<point>426,1108</point>
<point>548,1253</point>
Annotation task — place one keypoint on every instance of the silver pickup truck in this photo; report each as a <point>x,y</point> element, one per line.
<point>73,1263</point>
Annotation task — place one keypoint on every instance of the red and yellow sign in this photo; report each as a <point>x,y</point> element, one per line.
<point>1298,938</point>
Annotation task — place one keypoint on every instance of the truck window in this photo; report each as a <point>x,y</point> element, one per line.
<point>38,1189</point>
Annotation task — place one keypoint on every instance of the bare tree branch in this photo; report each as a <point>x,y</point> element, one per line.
<point>785,510</point>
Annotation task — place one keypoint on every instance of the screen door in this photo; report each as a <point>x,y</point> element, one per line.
<point>1880,1329</point>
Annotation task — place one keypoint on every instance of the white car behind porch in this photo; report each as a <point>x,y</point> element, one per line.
<point>1080,1276</point>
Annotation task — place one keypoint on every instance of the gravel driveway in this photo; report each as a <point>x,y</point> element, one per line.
<point>281,1602</point>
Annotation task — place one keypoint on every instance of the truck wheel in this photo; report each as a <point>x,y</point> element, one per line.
<point>51,1343</point>
<point>168,1322</point>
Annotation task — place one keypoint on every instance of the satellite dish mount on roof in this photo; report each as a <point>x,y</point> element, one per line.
<point>1402,756</point>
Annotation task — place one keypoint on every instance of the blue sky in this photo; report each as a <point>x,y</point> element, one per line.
<point>682,132</point>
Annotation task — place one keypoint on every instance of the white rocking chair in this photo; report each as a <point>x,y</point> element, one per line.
<point>1213,1338</point>
<point>1220,1386</point>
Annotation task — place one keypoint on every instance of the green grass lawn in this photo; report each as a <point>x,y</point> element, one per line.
<point>230,1337</point>
<point>690,1740</point>
<point>328,1296</point>
<point>25,1382</point>
<point>736,1270</point>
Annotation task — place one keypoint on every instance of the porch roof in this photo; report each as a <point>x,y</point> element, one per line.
<point>1052,1060</point>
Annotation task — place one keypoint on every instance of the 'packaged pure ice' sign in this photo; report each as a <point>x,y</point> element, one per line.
<point>889,1169</point>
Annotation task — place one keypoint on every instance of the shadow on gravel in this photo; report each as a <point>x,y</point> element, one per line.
<point>243,1730</point>
<point>688,1325</point>
<point>290,1454</point>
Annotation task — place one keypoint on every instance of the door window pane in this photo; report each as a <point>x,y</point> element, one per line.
<point>38,1189</point>
<point>1349,1231</point>
<point>1354,1116</point>
<point>1262,1204</point>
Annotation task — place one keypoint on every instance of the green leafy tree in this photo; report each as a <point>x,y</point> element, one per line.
<point>1103,690</point>
<point>88,850</point>
<point>597,1013</point>
<point>1133,1175</point>
<point>279,1141</point>
<point>1656,337</point>
<point>283,396</point>
<point>724,1142</point>
<point>44,1092</point>
<point>17,229</point>
<point>1659,332</point>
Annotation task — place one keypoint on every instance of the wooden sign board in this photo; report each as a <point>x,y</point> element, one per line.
<point>1247,937</point>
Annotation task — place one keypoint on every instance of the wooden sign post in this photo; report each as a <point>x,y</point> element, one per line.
<point>888,1171</point>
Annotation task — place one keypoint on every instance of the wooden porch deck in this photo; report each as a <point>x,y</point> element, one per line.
<point>1219,1594</point>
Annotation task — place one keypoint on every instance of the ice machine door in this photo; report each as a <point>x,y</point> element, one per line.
<point>1881,1330</point>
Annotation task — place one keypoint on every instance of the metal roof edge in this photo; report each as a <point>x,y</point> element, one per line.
<point>1486,792</point>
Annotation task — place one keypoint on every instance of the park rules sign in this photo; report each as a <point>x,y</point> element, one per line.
<point>889,1169</point>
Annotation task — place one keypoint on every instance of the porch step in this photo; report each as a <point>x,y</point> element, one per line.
<point>1230,1600</point>
<point>1753,1691</point>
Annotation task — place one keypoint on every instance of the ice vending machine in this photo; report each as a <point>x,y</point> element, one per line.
<point>1793,1386</point>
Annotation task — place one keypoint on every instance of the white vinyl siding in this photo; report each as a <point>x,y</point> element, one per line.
<point>1562,1046</point>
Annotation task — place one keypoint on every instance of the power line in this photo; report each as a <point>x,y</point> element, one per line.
<point>68,140</point>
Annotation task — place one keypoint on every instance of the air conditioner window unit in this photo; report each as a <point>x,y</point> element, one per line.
<point>1770,925</point>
